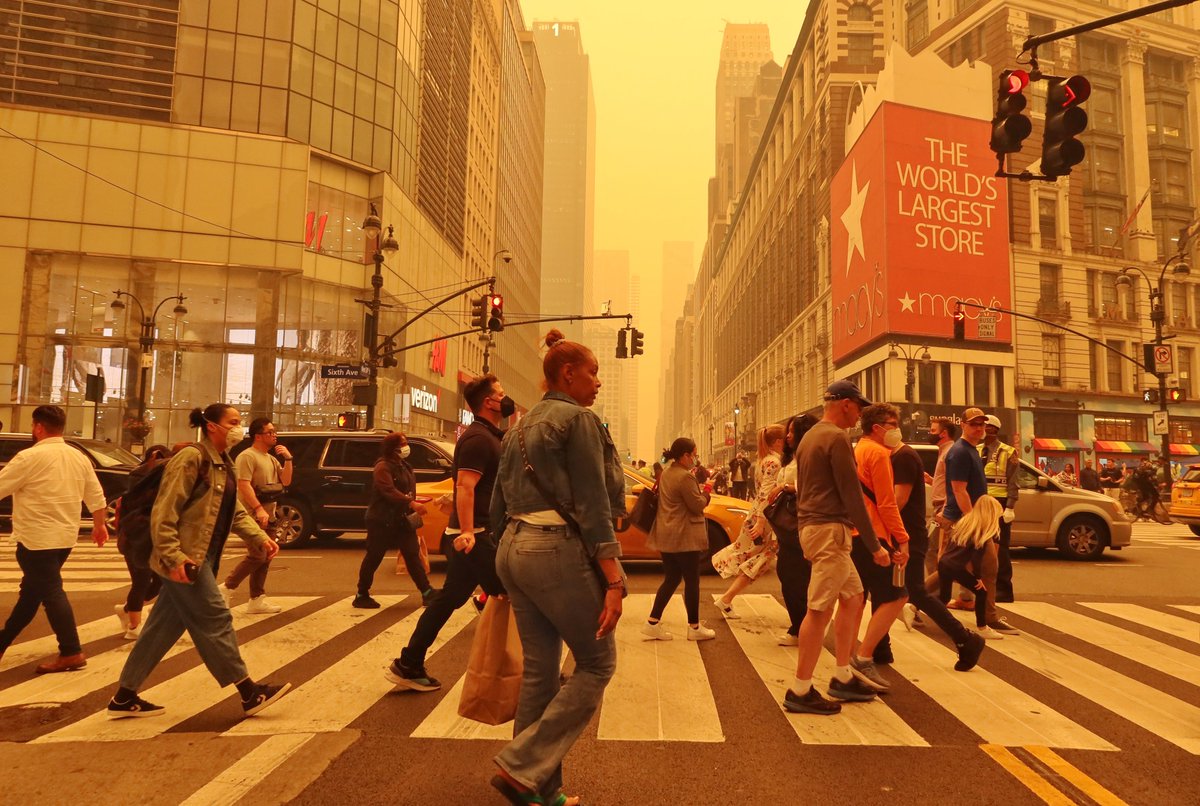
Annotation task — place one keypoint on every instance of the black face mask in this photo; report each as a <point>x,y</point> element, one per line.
<point>508,406</point>
<point>933,438</point>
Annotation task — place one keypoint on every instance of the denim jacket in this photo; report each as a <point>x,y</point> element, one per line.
<point>182,523</point>
<point>576,462</point>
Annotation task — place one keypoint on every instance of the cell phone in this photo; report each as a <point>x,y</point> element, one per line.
<point>898,576</point>
<point>190,570</point>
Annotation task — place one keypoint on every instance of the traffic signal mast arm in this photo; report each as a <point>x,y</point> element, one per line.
<point>1032,43</point>
<point>393,351</point>
<point>490,282</point>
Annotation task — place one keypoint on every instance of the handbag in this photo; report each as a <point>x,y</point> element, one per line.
<point>492,684</point>
<point>645,509</point>
<point>415,520</point>
<point>266,493</point>
<point>781,514</point>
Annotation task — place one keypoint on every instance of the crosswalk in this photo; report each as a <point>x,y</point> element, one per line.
<point>1164,535</point>
<point>1114,655</point>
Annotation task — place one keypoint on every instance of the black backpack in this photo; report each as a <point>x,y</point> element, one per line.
<point>134,507</point>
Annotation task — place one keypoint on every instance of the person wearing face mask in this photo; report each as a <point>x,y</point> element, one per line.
<point>469,543</point>
<point>195,511</point>
<point>393,499</point>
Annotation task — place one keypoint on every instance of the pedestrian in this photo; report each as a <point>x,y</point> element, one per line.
<point>393,500</point>
<point>1066,477</point>
<point>966,549</point>
<point>739,475</point>
<point>680,535</point>
<point>793,570</point>
<point>263,471</point>
<point>700,472</point>
<point>1089,479</point>
<point>560,487</point>
<point>1110,480</point>
<point>829,501</point>
<point>469,543</point>
<point>880,424</point>
<point>942,433</point>
<point>752,553</point>
<point>644,470</point>
<point>47,481</point>
<point>720,481</point>
<point>194,513</point>
<point>1000,465</point>
<point>144,584</point>
<point>657,472</point>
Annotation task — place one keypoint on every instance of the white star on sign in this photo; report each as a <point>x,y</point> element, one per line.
<point>852,217</point>
<point>906,303</point>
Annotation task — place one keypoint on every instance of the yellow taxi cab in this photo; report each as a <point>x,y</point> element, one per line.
<point>1185,500</point>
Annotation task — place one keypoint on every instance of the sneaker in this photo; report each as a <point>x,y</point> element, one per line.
<point>810,703</point>
<point>701,632</point>
<point>908,614</point>
<point>656,632</point>
<point>226,594</point>
<point>364,602</point>
<point>416,679</point>
<point>1002,626</point>
<point>866,672</point>
<point>122,615</point>
<point>855,690</point>
<point>787,639</point>
<point>264,695</point>
<point>969,652</point>
<point>133,632</point>
<point>988,633</point>
<point>726,609</point>
<point>135,707</point>
<point>259,605</point>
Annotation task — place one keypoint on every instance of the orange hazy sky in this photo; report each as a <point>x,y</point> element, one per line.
<point>654,67</point>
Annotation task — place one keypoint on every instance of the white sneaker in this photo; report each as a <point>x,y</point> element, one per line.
<point>701,632</point>
<point>989,633</point>
<point>132,633</point>
<point>226,594</point>
<point>726,610</point>
<point>656,632</point>
<point>260,605</point>
<point>908,614</point>
<point>122,615</point>
<point>787,639</point>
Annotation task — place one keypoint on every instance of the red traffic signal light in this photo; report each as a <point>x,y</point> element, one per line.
<point>1064,120</point>
<point>348,420</point>
<point>495,313</point>
<point>1175,395</point>
<point>1009,126</point>
<point>1014,80</point>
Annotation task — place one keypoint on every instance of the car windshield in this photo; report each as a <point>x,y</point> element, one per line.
<point>108,455</point>
<point>1193,475</point>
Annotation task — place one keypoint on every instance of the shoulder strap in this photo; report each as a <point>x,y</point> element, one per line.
<point>533,477</point>
<point>868,492</point>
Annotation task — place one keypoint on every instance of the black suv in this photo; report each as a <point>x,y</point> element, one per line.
<point>112,464</point>
<point>331,481</point>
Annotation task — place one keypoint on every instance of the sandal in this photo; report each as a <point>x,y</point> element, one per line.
<point>561,799</point>
<point>518,796</point>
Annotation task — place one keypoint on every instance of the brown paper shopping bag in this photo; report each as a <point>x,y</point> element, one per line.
<point>493,681</point>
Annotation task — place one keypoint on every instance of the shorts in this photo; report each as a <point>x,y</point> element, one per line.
<point>827,547</point>
<point>877,579</point>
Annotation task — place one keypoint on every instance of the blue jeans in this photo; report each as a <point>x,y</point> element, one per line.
<point>556,598</point>
<point>199,608</point>
<point>42,585</point>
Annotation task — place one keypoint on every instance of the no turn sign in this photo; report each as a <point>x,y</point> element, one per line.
<point>1163,362</point>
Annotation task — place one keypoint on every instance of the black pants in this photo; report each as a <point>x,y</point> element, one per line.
<point>948,575</point>
<point>384,535</point>
<point>794,572</point>
<point>42,586</point>
<point>739,490</point>
<point>679,565</point>
<point>1004,571</point>
<point>463,573</point>
<point>144,587</point>
<point>930,605</point>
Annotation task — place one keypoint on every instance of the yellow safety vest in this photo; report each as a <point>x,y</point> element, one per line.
<point>996,469</point>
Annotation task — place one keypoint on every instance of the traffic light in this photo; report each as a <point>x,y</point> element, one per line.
<point>1009,126</point>
<point>1064,120</point>
<point>495,321</point>
<point>1149,395</point>
<point>960,324</point>
<point>622,349</point>
<point>635,342</point>
<point>478,313</point>
<point>348,420</point>
<point>1176,395</point>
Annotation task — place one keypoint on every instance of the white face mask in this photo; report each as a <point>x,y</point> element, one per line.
<point>233,434</point>
<point>892,438</point>
<point>405,451</point>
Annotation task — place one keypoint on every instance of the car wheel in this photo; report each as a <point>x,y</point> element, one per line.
<point>1082,537</point>
<point>1195,529</point>
<point>717,540</point>
<point>293,523</point>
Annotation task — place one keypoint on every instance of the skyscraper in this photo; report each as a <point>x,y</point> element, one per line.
<point>745,48</point>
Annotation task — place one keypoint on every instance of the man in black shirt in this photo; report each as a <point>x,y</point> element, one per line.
<point>469,542</point>
<point>910,497</point>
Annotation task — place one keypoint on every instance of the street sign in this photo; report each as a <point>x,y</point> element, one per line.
<point>1160,424</point>
<point>987,325</point>
<point>1163,363</point>
<point>342,371</point>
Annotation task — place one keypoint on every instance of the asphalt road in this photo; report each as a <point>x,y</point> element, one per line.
<point>1096,702</point>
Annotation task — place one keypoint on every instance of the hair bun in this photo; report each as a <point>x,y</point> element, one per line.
<point>554,337</point>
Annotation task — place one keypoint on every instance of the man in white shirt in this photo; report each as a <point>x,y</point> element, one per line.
<point>47,481</point>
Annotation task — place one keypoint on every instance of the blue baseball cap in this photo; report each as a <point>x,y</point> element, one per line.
<point>846,390</point>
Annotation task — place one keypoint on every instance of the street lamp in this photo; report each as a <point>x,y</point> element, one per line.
<point>737,409</point>
<point>146,340</point>
<point>910,359</point>
<point>1158,316</point>
<point>385,248</point>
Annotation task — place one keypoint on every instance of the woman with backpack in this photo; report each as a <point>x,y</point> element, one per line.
<point>144,584</point>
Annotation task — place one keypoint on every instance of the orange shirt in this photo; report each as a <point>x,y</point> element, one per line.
<point>875,471</point>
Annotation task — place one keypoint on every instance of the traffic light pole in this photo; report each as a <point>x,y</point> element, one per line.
<point>1032,43</point>
<point>395,350</point>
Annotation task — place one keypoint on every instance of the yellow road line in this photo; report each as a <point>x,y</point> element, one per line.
<point>1032,781</point>
<point>1089,787</point>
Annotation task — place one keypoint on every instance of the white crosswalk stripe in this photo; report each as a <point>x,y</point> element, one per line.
<point>666,691</point>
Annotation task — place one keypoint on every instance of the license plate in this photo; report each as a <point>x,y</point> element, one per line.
<point>1186,492</point>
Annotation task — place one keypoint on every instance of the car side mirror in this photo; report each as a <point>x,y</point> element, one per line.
<point>1043,483</point>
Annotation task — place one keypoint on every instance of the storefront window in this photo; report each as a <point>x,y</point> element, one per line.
<point>1123,429</point>
<point>1056,425</point>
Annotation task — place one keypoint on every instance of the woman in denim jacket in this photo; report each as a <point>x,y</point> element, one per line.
<point>550,568</point>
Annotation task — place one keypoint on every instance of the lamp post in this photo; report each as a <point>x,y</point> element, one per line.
<point>1158,315</point>
<point>737,437</point>
<point>385,248</point>
<point>910,358</point>
<point>146,340</point>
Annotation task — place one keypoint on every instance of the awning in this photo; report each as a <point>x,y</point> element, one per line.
<point>1185,450</point>
<point>1120,446</point>
<point>1071,445</point>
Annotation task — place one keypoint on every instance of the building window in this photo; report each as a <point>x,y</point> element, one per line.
<point>1121,429</point>
<point>860,49</point>
<point>1179,314</point>
<point>1185,430</point>
<point>1095,362</point>
<point>1104,112</point>
<point>1170,181</point>
<point>1056,425</point>
<point>860,12</point>
<point>933,382</point>
<point>1101,227</point>
<point>1103,166</point>
<point>1166,233</point>
<point>1048,223</point>
<point>1051,288</point>
<point>1052,360</point>
<point>1184,370</point>
<point>918,22</point>
<point>1116,374</point>
<point>979,382</point>
<point>1164,121</point>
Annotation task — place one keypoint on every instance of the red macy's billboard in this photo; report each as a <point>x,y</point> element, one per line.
<point>919,222</point>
